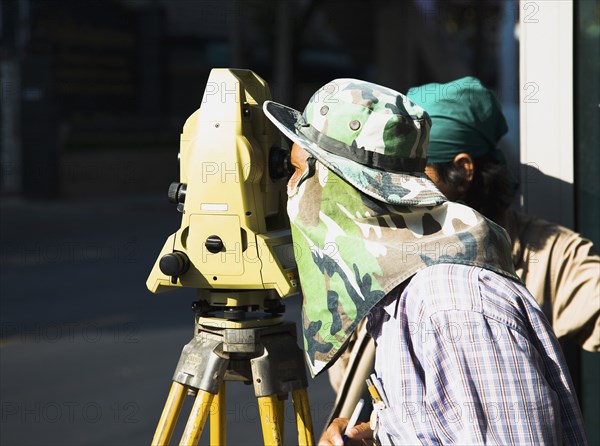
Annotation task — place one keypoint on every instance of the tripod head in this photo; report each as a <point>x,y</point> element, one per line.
<point>234,244</point>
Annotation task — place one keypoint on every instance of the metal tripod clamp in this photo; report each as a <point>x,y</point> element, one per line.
<point>202,364</point>
<point>279,370</point>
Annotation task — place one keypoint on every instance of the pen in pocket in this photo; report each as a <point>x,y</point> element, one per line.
<point>375,384</point>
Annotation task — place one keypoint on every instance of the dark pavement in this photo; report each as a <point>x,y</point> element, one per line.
<point>86,351</point>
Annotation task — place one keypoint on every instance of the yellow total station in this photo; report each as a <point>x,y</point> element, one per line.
<point>234,231</point>
<point>234,247</point>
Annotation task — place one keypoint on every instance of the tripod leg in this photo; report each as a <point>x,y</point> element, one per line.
<point>217,419</point>
<point>197,419</point>
<point>281,416</point>
<point>169,416</point>
<point>303,417</point>
<point>270,421</point>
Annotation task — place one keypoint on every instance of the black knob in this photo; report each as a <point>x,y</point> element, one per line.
<point>214,244</point>
<point>174,264</point>
<point>177,192</point>
<point>234,314</point>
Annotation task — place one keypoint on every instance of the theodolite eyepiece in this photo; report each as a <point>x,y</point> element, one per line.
<point>279,164</point>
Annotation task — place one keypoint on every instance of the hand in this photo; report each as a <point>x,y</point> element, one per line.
<point>359,435</point>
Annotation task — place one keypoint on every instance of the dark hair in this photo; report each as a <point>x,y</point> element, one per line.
<point>491,191</point>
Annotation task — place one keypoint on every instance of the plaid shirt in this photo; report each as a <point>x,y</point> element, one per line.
<point>465,356</point>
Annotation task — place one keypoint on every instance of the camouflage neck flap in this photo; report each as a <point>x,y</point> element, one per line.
<point>352,250</point>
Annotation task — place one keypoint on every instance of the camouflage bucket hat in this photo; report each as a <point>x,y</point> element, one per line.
<point>371,136</point>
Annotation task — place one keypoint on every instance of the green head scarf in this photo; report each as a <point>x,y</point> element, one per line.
<point>352,250</point>
<point>466,117</point>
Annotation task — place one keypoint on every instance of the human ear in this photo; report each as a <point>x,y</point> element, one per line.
<point>298,159</point>
<point>465,162</point>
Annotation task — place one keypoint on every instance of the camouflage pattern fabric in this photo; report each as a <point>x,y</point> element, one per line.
<point>352,250</point>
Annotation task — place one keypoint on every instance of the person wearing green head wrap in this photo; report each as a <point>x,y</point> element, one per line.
<point>559,267</point>
<point>463,353</point>
<point>468,124</point>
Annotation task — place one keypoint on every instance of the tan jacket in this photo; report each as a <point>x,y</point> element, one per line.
<point>560,269</point>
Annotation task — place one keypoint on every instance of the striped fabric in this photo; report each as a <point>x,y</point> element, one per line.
<point>466,357</point>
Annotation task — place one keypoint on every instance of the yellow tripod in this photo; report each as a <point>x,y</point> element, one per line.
<point>262,351</point>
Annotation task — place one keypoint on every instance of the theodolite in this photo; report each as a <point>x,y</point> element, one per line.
<point>235,248</point>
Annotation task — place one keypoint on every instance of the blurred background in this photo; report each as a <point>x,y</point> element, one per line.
<point>93,97</point>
